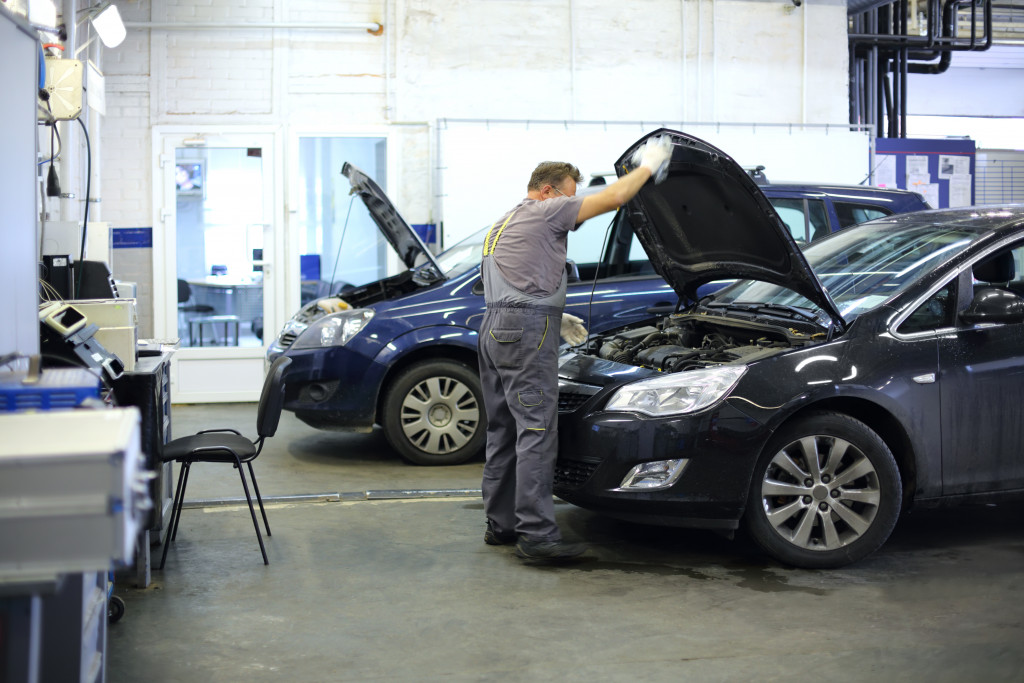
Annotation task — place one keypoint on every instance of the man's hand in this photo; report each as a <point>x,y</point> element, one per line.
<point>572,329</point>
<point>655,155</point>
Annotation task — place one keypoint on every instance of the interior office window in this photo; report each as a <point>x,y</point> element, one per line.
<point>339,243</point>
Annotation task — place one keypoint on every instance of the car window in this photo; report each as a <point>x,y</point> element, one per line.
<point>863,266</point>
<point>850,213</point>
<point>463,255</point>
<point>1010,273</point>
<point>806,219</point>
<point>938,311</point>
<point>587,242</point>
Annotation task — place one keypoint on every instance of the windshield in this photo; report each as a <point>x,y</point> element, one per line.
<point>862,266</point>
<point>464,255</point>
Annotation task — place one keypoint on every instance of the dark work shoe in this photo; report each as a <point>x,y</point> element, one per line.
<point>492,537</point>
<point>553,551</point>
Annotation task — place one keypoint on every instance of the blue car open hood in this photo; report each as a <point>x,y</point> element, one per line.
<point>403,239</point>
<point>708,220</point>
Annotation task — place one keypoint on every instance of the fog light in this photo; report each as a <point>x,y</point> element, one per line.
<point>650,476</point>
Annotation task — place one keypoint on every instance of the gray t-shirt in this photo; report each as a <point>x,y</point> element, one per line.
<point>530,250</point>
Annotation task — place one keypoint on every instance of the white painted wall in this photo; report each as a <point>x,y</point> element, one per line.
<point>672,60</point>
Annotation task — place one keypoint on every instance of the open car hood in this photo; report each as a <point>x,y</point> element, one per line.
<point>708,220</point>
<point>403,239</point>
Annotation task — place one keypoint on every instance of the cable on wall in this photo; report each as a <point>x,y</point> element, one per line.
<point>88,190</point>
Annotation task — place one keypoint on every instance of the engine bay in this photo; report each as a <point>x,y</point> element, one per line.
<point>688,341</point>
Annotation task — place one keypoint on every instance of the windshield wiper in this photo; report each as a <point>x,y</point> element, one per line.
<point>427,273</point>
<point>773,309</point>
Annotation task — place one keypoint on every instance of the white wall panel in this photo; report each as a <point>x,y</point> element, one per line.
<point>485,165</point>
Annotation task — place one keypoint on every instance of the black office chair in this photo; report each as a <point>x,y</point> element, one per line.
<point>185,302</point>
<point>228,446</point>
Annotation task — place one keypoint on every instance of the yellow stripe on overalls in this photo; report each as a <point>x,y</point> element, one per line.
<point>490,250</point>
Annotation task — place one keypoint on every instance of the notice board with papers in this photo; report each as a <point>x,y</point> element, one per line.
<point>943,170</point>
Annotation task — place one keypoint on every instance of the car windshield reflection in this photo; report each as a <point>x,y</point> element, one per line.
<point>862,266</point>
<point>463,255</point>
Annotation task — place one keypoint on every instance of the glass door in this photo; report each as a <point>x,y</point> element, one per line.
<point>220,209</point>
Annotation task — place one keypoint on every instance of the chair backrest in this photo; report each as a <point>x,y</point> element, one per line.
<point>268,415</point>
<point>184,291</point>
<point>999,268</point>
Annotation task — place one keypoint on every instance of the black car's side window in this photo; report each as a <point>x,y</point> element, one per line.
<point>938,311</point>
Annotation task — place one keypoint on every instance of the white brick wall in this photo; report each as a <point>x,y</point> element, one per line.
<point>690,60</point>
<point>730,60</point>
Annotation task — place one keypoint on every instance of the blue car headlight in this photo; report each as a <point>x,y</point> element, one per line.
<point>335,329</point>
<point>678,393</point>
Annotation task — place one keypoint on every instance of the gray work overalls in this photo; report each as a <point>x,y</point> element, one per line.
<point>519,380</point>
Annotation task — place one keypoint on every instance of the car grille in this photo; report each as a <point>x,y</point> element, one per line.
<point>287,339</point>
<point>571,395</point>
<point>572,474</point>
<point>567,403</point>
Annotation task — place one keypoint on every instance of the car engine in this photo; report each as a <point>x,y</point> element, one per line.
<point>687,341</point>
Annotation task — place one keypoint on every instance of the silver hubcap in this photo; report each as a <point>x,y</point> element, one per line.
<point>820,493</point>
<point>440,415</point>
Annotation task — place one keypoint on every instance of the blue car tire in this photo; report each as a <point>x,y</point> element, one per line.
<point>434,413</point>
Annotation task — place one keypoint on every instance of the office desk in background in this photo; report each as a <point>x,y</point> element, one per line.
<point>229,296</point>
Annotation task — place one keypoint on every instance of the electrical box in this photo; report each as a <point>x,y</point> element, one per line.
<point>73,491</point>
<point>64,83</point>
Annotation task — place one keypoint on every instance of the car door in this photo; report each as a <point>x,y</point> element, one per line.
<point>617,283</point>
<point>981,372</point>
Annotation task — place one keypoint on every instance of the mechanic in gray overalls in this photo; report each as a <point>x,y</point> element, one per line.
<point>523,271</point>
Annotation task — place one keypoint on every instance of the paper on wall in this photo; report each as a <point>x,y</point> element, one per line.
<point>917,165</point>
<point>960,190</point>
<point>951,165</point>
<point>885,170</point>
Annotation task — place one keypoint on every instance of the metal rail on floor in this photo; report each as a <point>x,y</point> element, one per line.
<point>351,496</point>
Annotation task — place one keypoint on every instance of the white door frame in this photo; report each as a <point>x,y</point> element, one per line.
<point>209,374</point>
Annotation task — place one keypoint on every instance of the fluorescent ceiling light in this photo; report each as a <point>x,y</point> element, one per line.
<point>107,22</point>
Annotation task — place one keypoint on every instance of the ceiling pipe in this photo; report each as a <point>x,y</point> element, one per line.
<point>931,42</point>
<point>372,27</point>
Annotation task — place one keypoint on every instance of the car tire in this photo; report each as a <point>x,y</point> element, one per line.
<point>434,414</point>
<point>826,492</point>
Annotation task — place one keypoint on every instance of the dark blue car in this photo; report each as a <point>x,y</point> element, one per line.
<point>401,352</point>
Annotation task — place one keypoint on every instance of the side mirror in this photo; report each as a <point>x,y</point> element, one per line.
<point>572,272</point>
<point>992,305</point>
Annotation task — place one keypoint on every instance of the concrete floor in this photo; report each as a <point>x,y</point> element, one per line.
<point>405,589</point>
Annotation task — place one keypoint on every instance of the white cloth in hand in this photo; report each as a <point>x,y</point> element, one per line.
<point>572,329</point>
<point>655,155</point>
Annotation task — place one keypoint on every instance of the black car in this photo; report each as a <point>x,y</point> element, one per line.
<point>404,354</point>
<point>821,394</point>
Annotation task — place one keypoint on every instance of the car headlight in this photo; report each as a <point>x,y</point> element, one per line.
<point>678,393</point>
<point>333,330</point>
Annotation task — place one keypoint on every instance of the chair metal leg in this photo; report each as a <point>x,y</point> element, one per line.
<point>259,499</point>
<point>186,469</point>
<point>179,496</point>
<point>252,511</point>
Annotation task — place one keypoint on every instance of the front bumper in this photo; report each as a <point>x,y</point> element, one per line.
<point>333,388</point>
<point>597,449</point>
